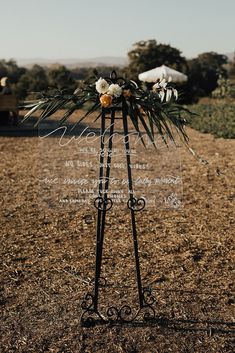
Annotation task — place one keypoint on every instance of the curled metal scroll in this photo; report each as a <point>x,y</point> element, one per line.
<point>102,281</point>
<point>103,205</point>
<point>115,79</point>
<point>136,204</point>
<point>88,302</point>
<point>115,315</point>
<point>113,76</point>
<point>90,316</point>
<point>112,314</point>
<point>148,297</point>
<point>149,300</point>
<point>123,314</point>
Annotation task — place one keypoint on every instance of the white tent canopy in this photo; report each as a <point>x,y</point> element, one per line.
<point>162,72</point>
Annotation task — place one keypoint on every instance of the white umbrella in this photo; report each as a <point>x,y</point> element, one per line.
<point>162,72</point>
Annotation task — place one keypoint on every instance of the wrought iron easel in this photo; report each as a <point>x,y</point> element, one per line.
<point>149,109</point>
<point>90,305</point>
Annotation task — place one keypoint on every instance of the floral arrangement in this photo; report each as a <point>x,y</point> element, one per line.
<point>154,110</point>
<point>108,92</point>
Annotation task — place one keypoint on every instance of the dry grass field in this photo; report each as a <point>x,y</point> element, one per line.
<point>47,261</point>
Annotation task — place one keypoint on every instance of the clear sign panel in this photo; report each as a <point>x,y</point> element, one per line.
<point>69,163</point>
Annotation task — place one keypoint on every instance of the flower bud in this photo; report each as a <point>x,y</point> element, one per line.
<point>106,100</point>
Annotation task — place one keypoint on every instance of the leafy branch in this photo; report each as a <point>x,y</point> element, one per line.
<point>153,110</point>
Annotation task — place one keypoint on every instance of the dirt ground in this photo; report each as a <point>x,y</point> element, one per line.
<point>47,261</point>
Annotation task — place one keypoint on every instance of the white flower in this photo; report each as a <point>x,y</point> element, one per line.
<point>101,86</point>
<point>163,83</point>
<point>163,91</point>
<point>161,95</point>
<point>115,90</point>
<point>168,94</point>
<point>175,92</point>
<point>156,86</point>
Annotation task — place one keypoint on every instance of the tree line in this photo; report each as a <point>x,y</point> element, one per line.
<point>203,71</point>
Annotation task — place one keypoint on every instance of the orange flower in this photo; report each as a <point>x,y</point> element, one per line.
<point>106,100</point>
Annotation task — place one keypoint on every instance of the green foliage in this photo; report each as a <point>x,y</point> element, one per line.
<point>217,119</point>
<point>152,111</point>
<point>231,68</point>
<point>11,70</point>
<point>225,89</point>
<point>147,55</point>
<point>61,78</point>
<point>203,73</point>
<point>33,81</point>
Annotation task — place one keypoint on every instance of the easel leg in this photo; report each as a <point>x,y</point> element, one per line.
<point>131,205</point>
<point>104,203</point>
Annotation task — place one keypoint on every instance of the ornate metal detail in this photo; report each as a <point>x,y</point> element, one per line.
<point>148,297</point>
<point>90,316</point>
<point>136,204</point>
<point>90,305</point>
<point>115,315</point>
<point>103,204</point>
<point>102,281</point>
<point>113,78</point>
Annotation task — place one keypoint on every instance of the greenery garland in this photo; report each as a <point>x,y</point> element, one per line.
<point>153,110</point>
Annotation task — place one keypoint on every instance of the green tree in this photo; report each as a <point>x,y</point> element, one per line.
<point>231,68</point>
<point>32,82</point>
<point>61,78</point>
<point>147,55</point>
<point>82,73</point>
<point>13,72</point>
<point>203,73</point>
<point>225,89</point>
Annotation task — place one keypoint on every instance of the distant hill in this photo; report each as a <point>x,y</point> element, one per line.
<point>72,63</point>
<point>90,62</point>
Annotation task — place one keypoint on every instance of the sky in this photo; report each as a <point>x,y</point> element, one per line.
<point>55,29</point>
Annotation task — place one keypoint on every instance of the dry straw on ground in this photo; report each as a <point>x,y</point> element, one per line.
<point>47,261</point>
